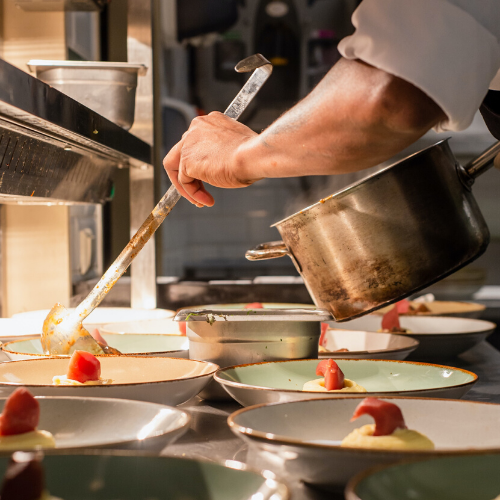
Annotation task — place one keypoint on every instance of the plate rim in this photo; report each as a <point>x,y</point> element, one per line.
<point>214,369</point>
<point>283,440</point>
<point>183,426</point>
<point>240,385</point>
<point>64,356</point>
<point>412,347</point>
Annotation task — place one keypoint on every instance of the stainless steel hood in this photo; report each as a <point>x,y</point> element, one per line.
<point>53,148</point>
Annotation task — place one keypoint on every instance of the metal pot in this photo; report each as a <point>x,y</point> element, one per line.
<point>387,236</point>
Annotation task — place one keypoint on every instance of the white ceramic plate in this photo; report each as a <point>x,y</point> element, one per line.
<point>172,346</point>
<point>367,345</point>
<point>281,381</point>
<point>89,422</point>
<point>439,337</point>
<point>121,475</point>
<point>163,326</point>
<point>102,315</point>
<point>169,381</point>
<point>18,328</point>
<point>304,436</point>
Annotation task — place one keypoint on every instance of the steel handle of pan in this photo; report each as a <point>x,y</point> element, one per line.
<point>486,160</point>
<point>269,250</point>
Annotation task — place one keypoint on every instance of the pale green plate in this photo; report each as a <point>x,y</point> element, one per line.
<point>283,380</point>
<point>155,345</point>
<point>456,478</point>
<point>129,477</point>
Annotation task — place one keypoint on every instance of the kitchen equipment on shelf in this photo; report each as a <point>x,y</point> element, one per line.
<point>439,337</point>
<point>166,346</point>
<point>238,336</point>
<point>62,331</point>
<point>108,88</point>
<point>366,345</point>
<point>282,381</point>
<point>168,381</point>
<point>304,439</point>
<point>389,235</point>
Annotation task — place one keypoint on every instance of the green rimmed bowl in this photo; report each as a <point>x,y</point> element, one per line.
<point>303,437</point>
<point>176,346</point>
<point>473,477</point>
<point>282,381</point>
<point>134,476</point>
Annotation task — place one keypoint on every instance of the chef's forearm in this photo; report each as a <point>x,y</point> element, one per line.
<point>357,117</point>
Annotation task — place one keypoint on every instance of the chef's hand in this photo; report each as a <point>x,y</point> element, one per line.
<point>209,152</point>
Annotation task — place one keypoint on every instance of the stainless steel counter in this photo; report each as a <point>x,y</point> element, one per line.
<point>209,436</point>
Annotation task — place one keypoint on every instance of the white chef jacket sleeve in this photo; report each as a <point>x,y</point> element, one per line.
<point>433,44</point>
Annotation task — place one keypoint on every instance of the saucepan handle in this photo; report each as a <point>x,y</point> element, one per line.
<point>484,161</point>
<point>269,250</point>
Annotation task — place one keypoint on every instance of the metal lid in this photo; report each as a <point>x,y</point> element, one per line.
<point>39,63</point>
<point>212,315</point>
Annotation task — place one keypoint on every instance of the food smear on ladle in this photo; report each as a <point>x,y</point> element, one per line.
<point>63,334</point>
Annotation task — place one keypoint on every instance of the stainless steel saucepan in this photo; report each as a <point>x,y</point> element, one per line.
<point>389,235</point>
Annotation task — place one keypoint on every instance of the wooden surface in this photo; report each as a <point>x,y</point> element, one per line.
<point>36,269</point>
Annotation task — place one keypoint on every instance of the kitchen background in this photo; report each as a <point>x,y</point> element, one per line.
<point>196,57</point>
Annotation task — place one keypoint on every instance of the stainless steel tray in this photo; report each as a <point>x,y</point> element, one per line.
<point>54,148</point>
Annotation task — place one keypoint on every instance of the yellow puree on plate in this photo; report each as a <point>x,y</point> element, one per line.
<point>400,439</point>
<point>27,441</point>
<point>318,385</point>
<point>64,380</point>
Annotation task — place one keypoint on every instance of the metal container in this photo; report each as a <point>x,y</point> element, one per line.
<point>231,337</point>
<point>387,236</point>
<point>108,88</point>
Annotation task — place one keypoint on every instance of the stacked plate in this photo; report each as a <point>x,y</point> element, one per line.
<point>438,337</point>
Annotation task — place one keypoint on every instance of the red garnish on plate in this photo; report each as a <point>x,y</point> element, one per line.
<point>182,327</point>
<point>20,413</point>
<point>96,334</point>
<point>83,366</point>
<point>387,416</point>
<point>390,321</point>
<point>403,306</point>
<point>324,328</point>
<point>255,305</point>
<point>334,378</point>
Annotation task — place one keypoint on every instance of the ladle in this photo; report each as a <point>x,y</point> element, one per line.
<point>63,332</point>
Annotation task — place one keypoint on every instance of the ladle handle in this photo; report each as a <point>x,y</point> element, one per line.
<point>484,161</point>
<point>172,196</point>
<point>265,251</point>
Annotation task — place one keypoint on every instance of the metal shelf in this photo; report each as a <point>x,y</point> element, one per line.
<point>52,148</point>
